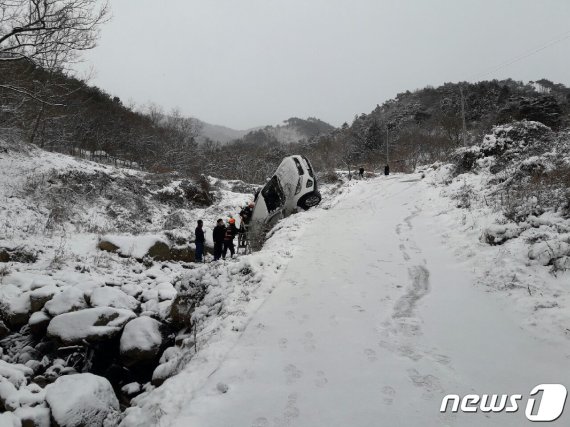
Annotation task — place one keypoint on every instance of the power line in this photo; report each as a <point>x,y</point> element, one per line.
<point>522,56</point>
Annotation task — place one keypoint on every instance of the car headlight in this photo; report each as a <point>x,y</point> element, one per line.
<point>309,183</point>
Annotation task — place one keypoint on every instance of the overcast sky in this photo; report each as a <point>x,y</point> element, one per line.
<point>247,63</point>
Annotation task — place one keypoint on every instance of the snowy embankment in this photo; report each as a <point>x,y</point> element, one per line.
<point>233,293</point>
<point>510,197</point>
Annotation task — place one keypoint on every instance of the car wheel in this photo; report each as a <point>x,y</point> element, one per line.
<point>309,200</point>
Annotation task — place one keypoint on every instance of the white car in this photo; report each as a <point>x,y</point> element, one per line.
<point>293,186</point>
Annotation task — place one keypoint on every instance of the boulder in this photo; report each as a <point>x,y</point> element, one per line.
<point>81,400</point>
<point>171,361</point>
<point>141,341</point>
<point>547,252</point>
<point>4,330</point>
<point>181,310</point>
<point>38,323</point>
<point>14,306</point>
<point>36,416</point>
<point>8,419</point>
<point>107,246</point>
<point>40,296</point>
<point>166,291</point>
<point>17,255</point>
<point>92,324</point>
<point>146,246</point>
<point>70,299</point>
<point>112,297</point>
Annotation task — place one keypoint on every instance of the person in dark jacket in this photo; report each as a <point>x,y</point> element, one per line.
<point>199,241</point>
<point>218,235</point>
<point>231,231</point>
<point>361,172</point>
<point>246,213</point>
<point>386,170</point>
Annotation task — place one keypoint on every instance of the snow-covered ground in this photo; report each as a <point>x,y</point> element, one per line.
<point>366,310</point>
<point>387,304</point>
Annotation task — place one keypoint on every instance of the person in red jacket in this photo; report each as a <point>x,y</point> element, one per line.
<point>231,231</point>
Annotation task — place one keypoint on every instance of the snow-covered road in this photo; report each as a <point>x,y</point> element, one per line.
<point>374,321</point>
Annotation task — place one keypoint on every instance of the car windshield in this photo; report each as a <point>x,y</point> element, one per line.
<point>309,167</point>
<point>299,167</point>
<point>273,194</point>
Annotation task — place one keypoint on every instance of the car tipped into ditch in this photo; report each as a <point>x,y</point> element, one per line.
<point>292,187</point>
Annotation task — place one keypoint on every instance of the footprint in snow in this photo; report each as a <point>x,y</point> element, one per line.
<point>321,380</point>
<point>283,343</point>
<point>429,383</point>
<point>388,392</point>
<point>308,342</point>
<point>370,354</point>
<point>260,422</point>
<point>292,374</point>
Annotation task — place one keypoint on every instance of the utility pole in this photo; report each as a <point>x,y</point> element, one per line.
<point>387,139</point>
<point>463,116</point>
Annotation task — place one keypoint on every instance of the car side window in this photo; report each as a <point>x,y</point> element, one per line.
<point>273,195</point>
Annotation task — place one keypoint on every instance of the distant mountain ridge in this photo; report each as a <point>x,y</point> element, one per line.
<point>290,131</point>
<point>217,133</point>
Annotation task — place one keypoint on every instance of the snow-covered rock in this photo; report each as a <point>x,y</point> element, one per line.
<point>166,291</point>
<point>132,246</point>
<point>38,323</point>
<point>132,289</point>
<point>112,297</point>
<point>131,389</point>
<point>37,416</point>
<point>497,234</point>
<point>8,395</point>
<point>70,299</point>
<point>15,373</point>
<point>141,340</point>
<point>81,400</point>
<point>9,419</point>
<point>14,305</point>
<point>40,296</point>
<point>546,252</point>
<point>4,330</point>
<point>92,324</point>
<point>171,361</point>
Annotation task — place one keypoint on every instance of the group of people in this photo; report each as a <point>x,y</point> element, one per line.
<point>223,235</point>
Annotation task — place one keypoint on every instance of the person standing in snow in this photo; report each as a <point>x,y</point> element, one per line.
<point>361,172</point>
<point>245,218</point>
<point>218,235</point>
<point>199,241</point>
<point>231,231</point>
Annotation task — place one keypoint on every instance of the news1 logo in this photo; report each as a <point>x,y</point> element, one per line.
<point>545,402</point>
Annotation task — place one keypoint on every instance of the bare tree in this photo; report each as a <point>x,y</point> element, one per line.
<point>47,33</point>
